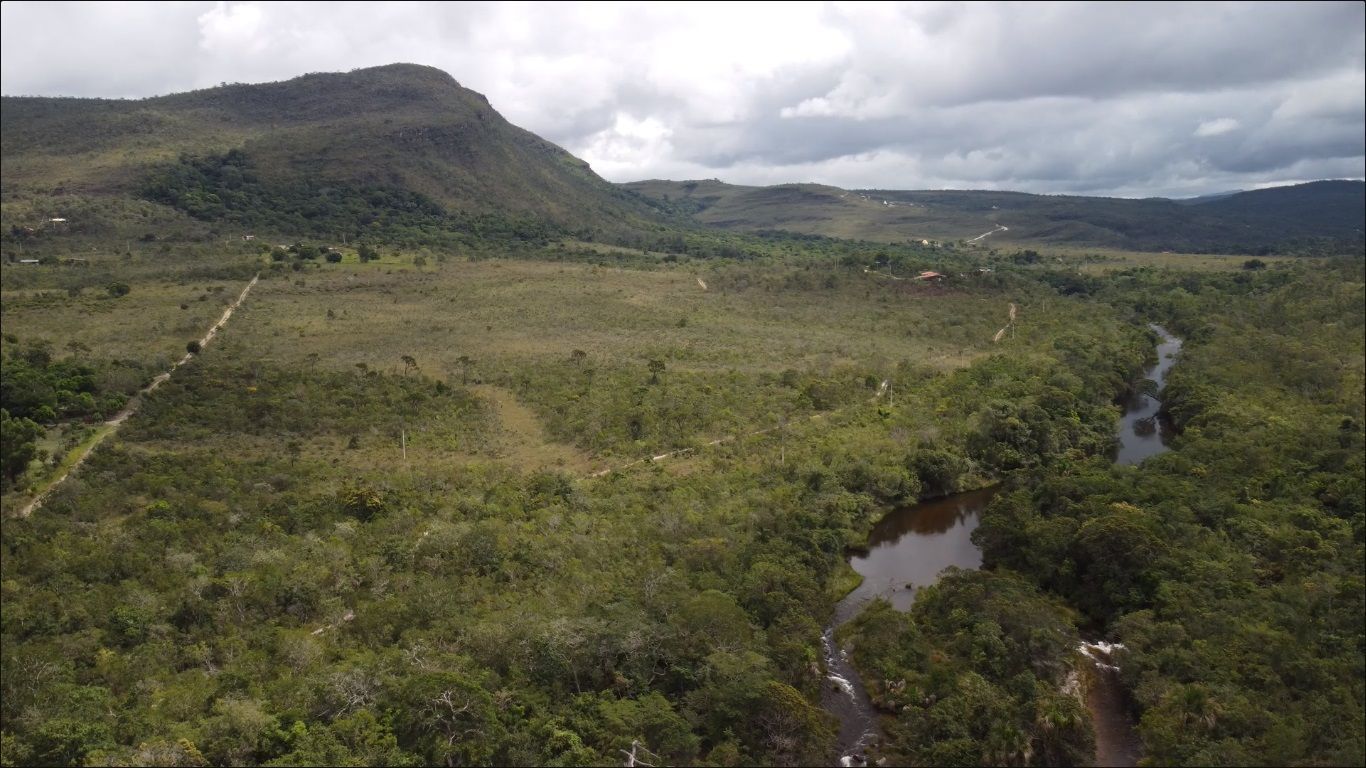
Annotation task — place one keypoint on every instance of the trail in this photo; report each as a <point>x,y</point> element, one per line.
<point>109,427</point>
<point>888,275</point>
<point>881,390</point>
<point>999,228</point>
<point>523,437</point>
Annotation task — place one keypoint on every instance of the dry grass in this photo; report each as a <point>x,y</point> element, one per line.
<point>508,319</point>
<point>147,325</point>
<point>514,312</point>
<point>521,440</point>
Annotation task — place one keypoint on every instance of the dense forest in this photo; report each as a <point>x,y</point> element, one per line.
<point>1230,568</point>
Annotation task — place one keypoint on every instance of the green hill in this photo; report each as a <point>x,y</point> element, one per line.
<point>395,144</point>
<point>1245,222</point>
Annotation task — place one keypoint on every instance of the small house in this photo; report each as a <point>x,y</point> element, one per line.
<point>930,277</point>
<point>28,261</point>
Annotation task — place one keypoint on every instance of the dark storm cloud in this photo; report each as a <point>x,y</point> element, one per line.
<point>1129,99</point>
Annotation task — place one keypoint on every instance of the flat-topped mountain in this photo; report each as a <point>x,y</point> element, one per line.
<point>409,133</point>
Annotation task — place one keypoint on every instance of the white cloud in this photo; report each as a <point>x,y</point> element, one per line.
<point>232,29</point>
<point>1217,127</point>
<point>630,144</point>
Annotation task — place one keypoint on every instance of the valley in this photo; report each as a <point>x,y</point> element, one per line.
<point>486,460</point>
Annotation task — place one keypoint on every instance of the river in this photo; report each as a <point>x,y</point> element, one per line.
<point>912,545</point>
<point>907,549</point>
<point>1142,430</point>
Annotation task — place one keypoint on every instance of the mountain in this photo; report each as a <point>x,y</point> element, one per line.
<point>314,149</point>
<point>1243,222</point>
<point>406,153</point>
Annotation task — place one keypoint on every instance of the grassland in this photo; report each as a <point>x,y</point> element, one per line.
<point>558,353</point>
<point>148,325</point>
<point>753,320</point>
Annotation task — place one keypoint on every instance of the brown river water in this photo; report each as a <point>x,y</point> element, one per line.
<point>912,545</point>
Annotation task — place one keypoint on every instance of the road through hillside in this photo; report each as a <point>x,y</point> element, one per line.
<point>999,228</point>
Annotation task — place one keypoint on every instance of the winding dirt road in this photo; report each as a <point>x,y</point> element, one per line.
<point>109,427</point>
<point>999,228</point>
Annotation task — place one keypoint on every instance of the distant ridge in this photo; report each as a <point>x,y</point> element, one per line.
<point>1326,213</point>
<point>1207,198</point>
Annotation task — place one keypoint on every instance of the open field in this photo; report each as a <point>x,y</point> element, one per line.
<point>147,325</point>
<point>496,310</point>
<point>562,356</point>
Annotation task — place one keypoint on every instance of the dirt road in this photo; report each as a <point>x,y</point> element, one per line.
<point>109,427</point>
<point>999,228</point>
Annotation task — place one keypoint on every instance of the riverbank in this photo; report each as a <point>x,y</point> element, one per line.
<point>910,547</point>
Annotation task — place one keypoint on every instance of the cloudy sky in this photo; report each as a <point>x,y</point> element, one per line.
<point>1128,100</point>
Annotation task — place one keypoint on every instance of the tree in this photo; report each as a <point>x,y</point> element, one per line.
<point>361,502</point>
<point>450,717</point>
<point>794,731</point>
<point>118,290</point>
<point>366,253</point>
<point>334,257</point>
<point>409,363</point>
<point>18,444</point>
<point>465,364</point>
<point>194,347</point>
<point>656,367</point>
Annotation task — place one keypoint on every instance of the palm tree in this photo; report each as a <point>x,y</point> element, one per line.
<point>1199,708</point>
<point>1058,720</point>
